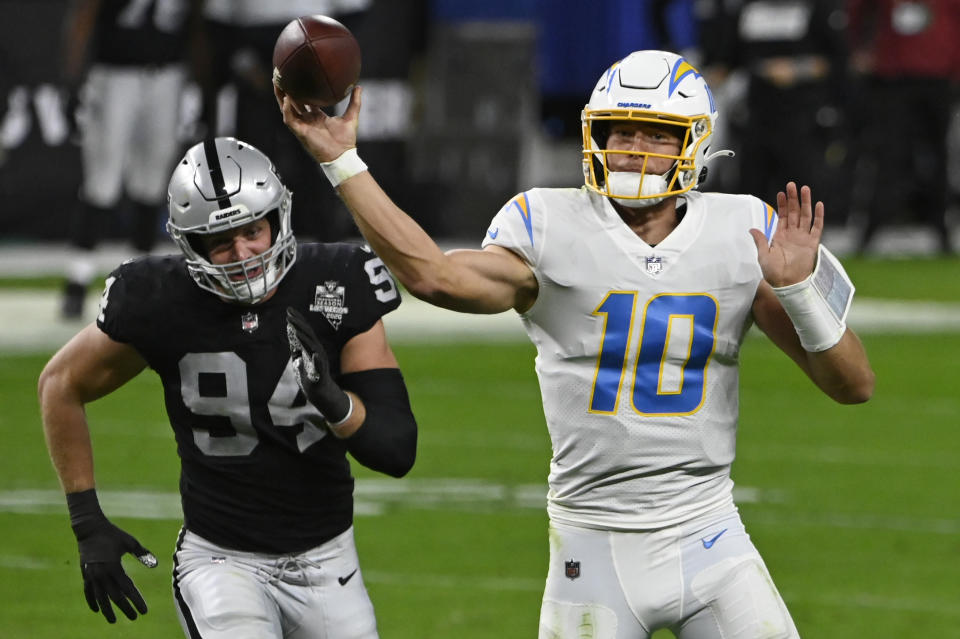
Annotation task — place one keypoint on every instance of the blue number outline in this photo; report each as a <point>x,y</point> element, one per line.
<point>658,315</point>
<point>603,377</point>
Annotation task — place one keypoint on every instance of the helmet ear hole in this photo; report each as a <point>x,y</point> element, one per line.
<point>601,133</point>
<point>273,218</point>
<point>703,176</point>
<point>598,170</point>
<point>196,243</point>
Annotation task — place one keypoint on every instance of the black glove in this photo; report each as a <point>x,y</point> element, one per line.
<point>101,546</point>
<point>313,370</point>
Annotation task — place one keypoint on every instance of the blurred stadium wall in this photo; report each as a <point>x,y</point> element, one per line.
<point>492,105</point>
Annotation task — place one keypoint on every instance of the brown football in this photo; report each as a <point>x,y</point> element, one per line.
<point>316,60</point>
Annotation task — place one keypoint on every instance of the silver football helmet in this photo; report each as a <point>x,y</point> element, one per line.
<point>655,87</point>
<point>223,184</point>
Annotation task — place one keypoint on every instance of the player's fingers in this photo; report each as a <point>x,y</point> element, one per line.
<point>298,109</point>
<point>293,341</point>
<point>146,557</point>
<point>278,94</point>
<point>291,112</point>
<point>761,241</point>
<point>793,206</point>
<point>818,214</point>
<point>806,208</point>
<point>295,323</point>
<point>103,602</point>
<point>115,588</point>
<point>286,108</point>
<point>305,332</point>
<point>781,209</point>
<point>353,108</point>
<point>129,591</point>
<point>90,594</point>
<point>295,317</point>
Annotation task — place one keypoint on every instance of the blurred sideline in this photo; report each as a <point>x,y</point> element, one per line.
<point>30,319</point>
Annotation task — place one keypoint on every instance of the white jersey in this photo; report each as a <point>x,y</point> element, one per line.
<point>638,350</point>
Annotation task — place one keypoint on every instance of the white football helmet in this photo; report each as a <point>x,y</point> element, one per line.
<point>656,87</point>
<point>223,184</point>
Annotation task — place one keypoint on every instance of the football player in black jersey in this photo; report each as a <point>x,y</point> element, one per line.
<point>274,363</point>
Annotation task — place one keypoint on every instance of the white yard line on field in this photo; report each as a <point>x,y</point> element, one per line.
<point>374,497</point>
<point>371,496</point>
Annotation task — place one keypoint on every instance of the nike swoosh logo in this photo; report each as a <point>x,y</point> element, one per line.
<point>708,543</point>
<point>343,580</point>
<point>494,233</point>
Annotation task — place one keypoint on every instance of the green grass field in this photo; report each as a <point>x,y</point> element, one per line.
<point>855,509</point>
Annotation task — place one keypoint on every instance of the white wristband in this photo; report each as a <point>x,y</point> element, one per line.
<point>345,417</point>
<point>818,305</point>
<point>344,167</point>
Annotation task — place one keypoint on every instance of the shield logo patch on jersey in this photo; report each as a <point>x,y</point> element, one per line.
<point>328,300</point>
<point>571,569</point>
<point>249,322</point>
<point>654,264</point>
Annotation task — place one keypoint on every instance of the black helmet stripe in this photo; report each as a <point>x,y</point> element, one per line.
<point>216,172</point>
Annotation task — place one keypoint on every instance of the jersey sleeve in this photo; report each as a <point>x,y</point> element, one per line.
<point>120,303</point>
<point>373,292</point>
<point>519,226</point>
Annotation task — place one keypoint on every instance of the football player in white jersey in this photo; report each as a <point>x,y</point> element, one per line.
<point>637,290</point>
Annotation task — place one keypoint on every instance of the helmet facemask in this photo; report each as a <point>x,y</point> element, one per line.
<point>643,187</point>
<point>220,186</point>
<point>653,87</point>
<point>248,281</point>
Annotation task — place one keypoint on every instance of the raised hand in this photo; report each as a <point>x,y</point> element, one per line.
<point>792,254</point>
<point>313,369</point>
<point>324,136</point>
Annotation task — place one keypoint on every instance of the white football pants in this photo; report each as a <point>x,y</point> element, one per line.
<point>129,125</point>
<point>702,580</point>
<point>226,594</point>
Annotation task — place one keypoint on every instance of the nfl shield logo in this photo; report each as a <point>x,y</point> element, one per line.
<point>249,322</point>
<point>572,569</point>
<point>654,265</point>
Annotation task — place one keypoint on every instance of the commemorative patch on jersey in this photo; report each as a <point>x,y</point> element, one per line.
<point>328,300</point>
<point>654,264</point>
<point>249,322</point>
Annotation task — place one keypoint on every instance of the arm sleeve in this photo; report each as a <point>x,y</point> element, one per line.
<point>387,439</point>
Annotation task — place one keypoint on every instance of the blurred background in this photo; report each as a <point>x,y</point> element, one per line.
<point>466,103</point>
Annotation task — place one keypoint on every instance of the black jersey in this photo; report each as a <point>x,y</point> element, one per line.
<point>259,470</point>
<point>141,33</point>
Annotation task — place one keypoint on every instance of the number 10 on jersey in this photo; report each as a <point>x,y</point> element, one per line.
<point>677,337</point>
